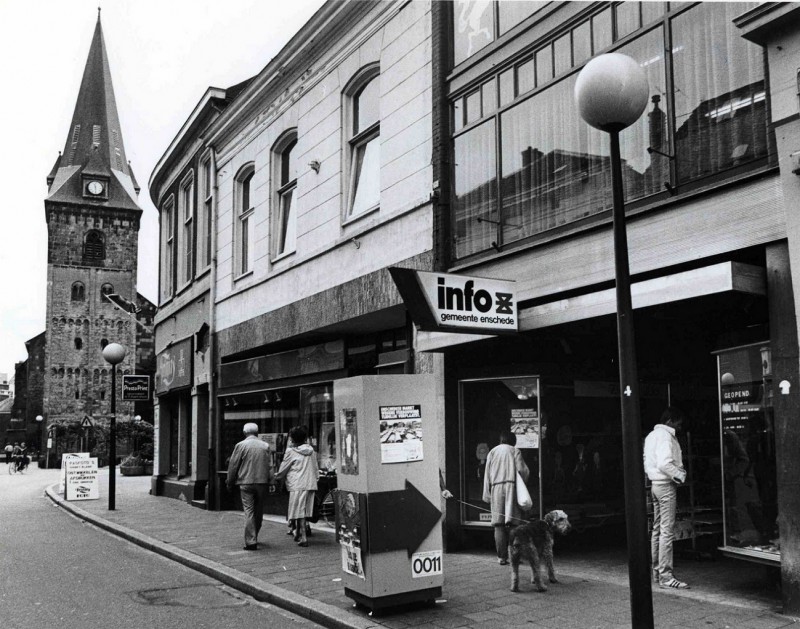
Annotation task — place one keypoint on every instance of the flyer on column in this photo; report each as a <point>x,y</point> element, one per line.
<point>401,433</point>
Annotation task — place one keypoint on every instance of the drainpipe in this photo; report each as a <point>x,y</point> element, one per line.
<point>214,456</point>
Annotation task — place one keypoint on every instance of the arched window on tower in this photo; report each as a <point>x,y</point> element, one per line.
<point>78,291</point>
<point>94,245</point>
<point>78,343</point>
<point>106,289</point>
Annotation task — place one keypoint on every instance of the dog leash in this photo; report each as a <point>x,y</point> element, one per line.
<point>484,509</point>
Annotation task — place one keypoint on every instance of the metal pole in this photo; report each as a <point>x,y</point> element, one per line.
<point>112,443</point>
<point>633,465</point>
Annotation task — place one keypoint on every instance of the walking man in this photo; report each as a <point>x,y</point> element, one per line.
<point>663,464</point>
<point>250,467</point>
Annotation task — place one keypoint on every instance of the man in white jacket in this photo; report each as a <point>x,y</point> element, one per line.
<point>663,464</point>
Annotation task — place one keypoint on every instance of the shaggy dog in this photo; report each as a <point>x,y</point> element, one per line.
<point>534,541</point>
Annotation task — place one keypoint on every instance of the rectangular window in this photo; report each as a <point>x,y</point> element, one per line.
<point>513,13</point>
<point>507,87</point>
<point>720,107</point>
<point>627,18</point>
<point>489,97</point>
<point>473,27</point>
<point>475,190</point>
<point>562,53</point>
<point>186,205</point>
<point>526,76</point>
<point>167,250</point>
<point>601,31</point>
<point>473,106</point>
<point>582,43</point>
<point>544,65</point>
<point>204,225</point>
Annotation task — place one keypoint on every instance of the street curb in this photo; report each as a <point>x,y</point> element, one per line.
<point>316,611</point>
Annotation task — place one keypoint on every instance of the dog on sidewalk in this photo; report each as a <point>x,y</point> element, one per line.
<point>533,541</point>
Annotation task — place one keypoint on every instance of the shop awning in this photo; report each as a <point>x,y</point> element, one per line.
<point>718,278</point>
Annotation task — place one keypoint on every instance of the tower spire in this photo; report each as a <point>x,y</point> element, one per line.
<point>94,143</point>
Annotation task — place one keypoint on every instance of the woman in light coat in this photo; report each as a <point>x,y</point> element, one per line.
<point>500,489</point>
<point>299,469</point>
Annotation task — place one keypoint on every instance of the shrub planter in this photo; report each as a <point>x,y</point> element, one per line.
<point>132,470</point>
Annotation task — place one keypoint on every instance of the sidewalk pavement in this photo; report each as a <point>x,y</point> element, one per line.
<point>593,593</point>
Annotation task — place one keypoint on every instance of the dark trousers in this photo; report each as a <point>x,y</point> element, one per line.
<point>253,506</point>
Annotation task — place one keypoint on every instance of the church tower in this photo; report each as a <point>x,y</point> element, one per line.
<point>92,225</point>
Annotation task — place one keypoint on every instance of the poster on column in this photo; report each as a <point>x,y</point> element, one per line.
<point>525,425</point>
<point>401,433</point>
<point>348,436</point>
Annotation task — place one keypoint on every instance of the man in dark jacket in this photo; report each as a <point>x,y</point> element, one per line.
<point>250,467</point>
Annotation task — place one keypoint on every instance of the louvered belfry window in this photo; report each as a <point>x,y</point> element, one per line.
<point>94,246</point>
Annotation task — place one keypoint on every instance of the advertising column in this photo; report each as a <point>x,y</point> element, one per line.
<point>387,515</point>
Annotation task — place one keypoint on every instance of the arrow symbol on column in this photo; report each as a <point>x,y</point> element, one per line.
<point>400,519</point>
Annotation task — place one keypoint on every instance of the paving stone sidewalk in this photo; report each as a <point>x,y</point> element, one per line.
<point>307,581</point>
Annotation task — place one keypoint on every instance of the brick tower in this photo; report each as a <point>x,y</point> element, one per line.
<point>93,225</point>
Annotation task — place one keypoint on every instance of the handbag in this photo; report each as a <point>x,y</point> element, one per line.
<point>523,495</point>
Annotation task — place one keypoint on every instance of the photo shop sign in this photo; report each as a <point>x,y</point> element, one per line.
<point>446,302</point>
<point>174,369</point>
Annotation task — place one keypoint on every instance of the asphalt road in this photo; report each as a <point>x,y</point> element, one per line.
<point>56,571</point>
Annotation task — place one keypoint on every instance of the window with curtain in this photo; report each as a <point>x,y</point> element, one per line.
<point>244,215</point>
<point>186,203</point>
<point>167,249</point>
<point>285,218</point>
<point>548,168</point>
<point>364,146</point>
<point>720,92</point>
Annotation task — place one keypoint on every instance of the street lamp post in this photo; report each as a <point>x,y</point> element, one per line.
<point>612,92</point>
<point>39,420</point>
<point>114,354</point>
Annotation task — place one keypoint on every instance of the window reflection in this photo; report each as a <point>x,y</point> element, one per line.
<point>473,27</point>
<point>720,94</point>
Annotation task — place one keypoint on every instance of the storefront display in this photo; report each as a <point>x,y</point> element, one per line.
<point>747,438</point>
<point>488,407</point>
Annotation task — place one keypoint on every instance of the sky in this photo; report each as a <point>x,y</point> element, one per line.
<point>163,55</point>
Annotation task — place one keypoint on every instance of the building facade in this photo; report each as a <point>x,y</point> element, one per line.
<point>445,137</point>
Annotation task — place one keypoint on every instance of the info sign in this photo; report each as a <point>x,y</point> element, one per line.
<point>81,481</point>
<point>135,388</point>
<point>449,302</point>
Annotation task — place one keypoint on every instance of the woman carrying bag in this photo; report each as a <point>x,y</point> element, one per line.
<point>300,470</point>
<point>500,490</point>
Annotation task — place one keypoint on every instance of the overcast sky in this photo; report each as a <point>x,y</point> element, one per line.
<point>163,55</point>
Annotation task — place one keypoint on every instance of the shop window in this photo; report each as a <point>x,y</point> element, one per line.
<point>78,291</point>
<point>284,226</point>
<point>749,469</point>
<point>489,407</point>
<point>244,220</point>
<point>363,147</point>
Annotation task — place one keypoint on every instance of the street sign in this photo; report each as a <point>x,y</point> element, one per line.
<point>86,422</point>
<point>81,481</point>
<point>135,388</point>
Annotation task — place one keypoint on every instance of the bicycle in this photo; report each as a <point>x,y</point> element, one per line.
<point>17,466</point>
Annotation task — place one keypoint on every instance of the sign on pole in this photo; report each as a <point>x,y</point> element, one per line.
<point>86,422</point>
<point>135,388</point>
<point>81,479</point>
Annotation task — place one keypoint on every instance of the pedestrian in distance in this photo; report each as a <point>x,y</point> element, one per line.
<point>250,468</point>
<point>663,464</point>
<point>8,450</point>
<point>500,490</point>
<point>299,469</point>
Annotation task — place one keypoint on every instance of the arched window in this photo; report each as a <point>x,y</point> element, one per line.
<point>78,343</point>
<point>106,289</point>
<point>244,216</point>
<point>94,245</point>
<point>363,148</point>
<point>284,158</point>
<point>78,291</point>
<point>103,343</point>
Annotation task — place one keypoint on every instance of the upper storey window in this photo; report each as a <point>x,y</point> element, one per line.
<point>285,217</point>
<point>244,220</point>
<point>186,208</point>
<point>364,145</point>
<point>477,23</point>
<point>204,215</point>
<point>167,248</point>
<point>525,163</point>
<point>78,291</point>
<point>94,245</point>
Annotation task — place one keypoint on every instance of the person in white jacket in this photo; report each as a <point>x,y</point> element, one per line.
<point>301,472</point>
<point>663,464</point>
